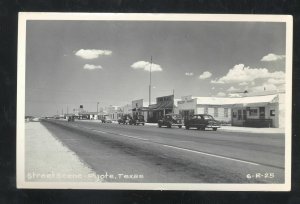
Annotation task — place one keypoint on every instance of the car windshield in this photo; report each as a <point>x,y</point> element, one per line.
<point>208,117</point>
<point>176,116</point>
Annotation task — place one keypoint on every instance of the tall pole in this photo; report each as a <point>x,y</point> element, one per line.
<point>173,101</point>
<point>150,82</point>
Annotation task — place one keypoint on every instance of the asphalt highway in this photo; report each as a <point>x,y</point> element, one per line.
<point>148,154</point>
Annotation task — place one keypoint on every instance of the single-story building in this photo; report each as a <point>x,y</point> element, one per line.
<point>114,112</point>
<point>259,111</point>
<point>218,107</point>
<point>264,110</point>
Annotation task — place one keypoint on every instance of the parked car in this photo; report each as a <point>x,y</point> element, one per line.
<point>201,121</point>
<point>106,119</point>
<point>170,120</point>
<point>71,118</point>
<point>35,119</point>
<point>125,119</point>
<point>138,120</point>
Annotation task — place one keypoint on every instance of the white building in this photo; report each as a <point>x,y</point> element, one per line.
<point>253,111</point>
<point>114,112</point>
<point>259,111</point>
<point>219,108</point>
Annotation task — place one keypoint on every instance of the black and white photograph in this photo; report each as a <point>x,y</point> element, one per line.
<point>154,101</point>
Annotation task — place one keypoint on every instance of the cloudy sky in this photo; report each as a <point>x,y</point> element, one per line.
<point>69,63</point>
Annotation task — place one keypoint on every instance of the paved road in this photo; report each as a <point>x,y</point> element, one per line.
<point>124,153</point>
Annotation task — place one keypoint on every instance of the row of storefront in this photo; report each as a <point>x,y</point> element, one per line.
<point>265,110</point>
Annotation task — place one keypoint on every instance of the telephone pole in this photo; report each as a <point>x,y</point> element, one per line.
<point>150,82</point>
<point>173,101</point>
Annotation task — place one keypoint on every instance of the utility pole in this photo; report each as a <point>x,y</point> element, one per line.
<point>67,109</point>
<point>97,107</point>
<point>150,82</point>
<point>173,101</point>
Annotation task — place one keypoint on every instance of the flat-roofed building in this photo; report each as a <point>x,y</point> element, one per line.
<point>260,110</point>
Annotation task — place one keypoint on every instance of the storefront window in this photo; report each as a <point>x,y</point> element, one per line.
<point>253,112</point>
<point>226,112</point>
<point>234,114</point>
<point>216,112</point>
<point>239,114</point>
<point>206,110</point>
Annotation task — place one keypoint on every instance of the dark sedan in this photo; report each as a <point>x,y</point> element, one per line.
<point>170,120</point>
<point>201,121</point>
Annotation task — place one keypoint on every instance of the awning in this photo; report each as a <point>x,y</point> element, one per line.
<point>140,109</point>
<point>163,105</point>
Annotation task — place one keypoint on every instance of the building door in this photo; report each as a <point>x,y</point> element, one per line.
<point>261,112</point>
<point>244,115</point>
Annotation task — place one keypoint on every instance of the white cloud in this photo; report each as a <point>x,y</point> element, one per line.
<point>213,88</point>
<point>205,75</point>
<point>264,87</point>
<point>276,81</point>
<point>189,74</point>
<point>221,94</point>
<point>272,57</point>
<point>146,66</point>
<point>92,67</point>
<point>231,89</point>
<point>241,74</point>
<point>243,83</point>
<point>92,54</point>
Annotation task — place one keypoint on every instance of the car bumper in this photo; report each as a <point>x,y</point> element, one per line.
<point>212,126</point>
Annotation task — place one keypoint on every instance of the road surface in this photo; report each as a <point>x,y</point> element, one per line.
<point>148,154</point>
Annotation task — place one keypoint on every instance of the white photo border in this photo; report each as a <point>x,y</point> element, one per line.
<point>25,16</point>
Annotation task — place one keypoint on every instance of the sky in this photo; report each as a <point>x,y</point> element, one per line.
<point>72,63</point>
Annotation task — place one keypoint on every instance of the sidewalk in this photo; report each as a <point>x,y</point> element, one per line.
<point>251,129</point>
<point>47,159</point>
<point>241,129</point>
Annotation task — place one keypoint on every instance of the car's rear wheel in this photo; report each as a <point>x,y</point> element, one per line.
<point>143,123</point>
<point>180,126</point>
<point>159,125</point>
<point>187,127</point>
<point>215,129</point>
<point>169,125</point>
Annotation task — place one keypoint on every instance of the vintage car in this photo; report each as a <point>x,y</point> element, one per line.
<point>201,121</point>
<point>106,119</point>
<point>170,120</point>
<point>139,119</point>
<point>125,119</point>
<point>71,118</point>
<point>35,119</point>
